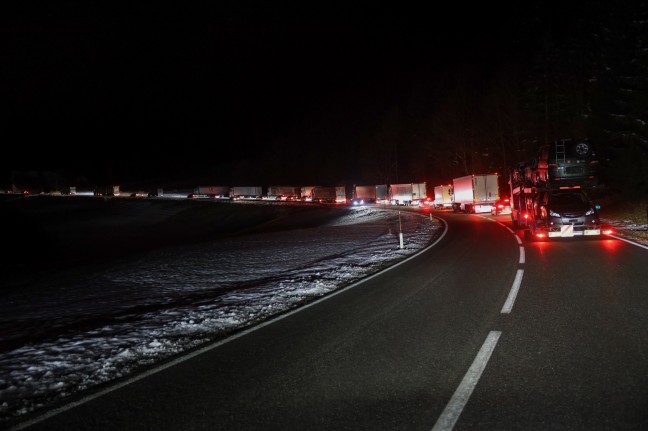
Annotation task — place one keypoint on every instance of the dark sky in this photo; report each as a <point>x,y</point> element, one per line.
<point>218,89</point>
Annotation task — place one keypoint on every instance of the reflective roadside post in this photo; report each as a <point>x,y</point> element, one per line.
<point>400,231</point>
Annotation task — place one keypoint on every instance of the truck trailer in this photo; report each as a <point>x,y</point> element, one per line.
<point>419,193</point>
<point>246,192</point>
<point>213,191</point>
<point>283,193</point>
<point>442,196</point>
<point>69,190</point>
<point>106,191</point>
<point>363,195</point>
<point>330,195</point>
<point>407,194</point>
<point>306,193</point>
<point>382,194</point>
<point>475,193</point>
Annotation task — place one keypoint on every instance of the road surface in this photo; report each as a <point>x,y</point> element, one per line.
<point>482,331</point>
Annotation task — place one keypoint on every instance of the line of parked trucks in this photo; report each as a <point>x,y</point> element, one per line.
<point>470,194</point>
<point>548,195</point>
<point>395,194</point>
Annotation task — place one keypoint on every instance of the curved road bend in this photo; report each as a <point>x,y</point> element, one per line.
<point>573,354</point>
<point>390,353</point>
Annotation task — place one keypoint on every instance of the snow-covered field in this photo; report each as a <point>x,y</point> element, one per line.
<point>99,289</point>
<point>71,329</point>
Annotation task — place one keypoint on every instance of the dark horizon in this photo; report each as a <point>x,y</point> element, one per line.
<point>285,93</point>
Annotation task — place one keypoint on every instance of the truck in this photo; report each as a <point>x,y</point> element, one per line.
<point>246,192</point>
<point>282,193</point>
<point>419,193</point>
<point>68,190</point>
<point>442,196</point>
<point>475,193</point>
<point>213,191</point>
<point>382,194</point>
<point>407,194</point>
<point>554,209</point>
<point>306,193</point>
<point>324,194</point>
<point>106,191</point>
<point>363,195</point>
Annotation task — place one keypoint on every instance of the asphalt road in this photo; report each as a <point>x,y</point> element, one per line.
<point>437,340</point>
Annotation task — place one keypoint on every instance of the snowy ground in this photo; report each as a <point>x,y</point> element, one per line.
<point>629,230</point>
<point>67,330</point>
<point>72,330</point>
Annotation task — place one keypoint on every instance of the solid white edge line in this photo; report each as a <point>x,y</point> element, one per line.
<point>50,413</point>
<point>508,305</point>
<point>517,238</point>
<point>522,255</point>
<point>629,241</point>
<point>460,397</point>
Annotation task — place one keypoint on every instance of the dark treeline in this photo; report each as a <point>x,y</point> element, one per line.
<point>581,76</point>
<point>377,98</point>
<point>585,77</point>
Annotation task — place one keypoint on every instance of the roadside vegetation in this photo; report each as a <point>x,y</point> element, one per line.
<point>628,216</point>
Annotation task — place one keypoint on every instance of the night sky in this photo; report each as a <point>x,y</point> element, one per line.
<point>239,92</point>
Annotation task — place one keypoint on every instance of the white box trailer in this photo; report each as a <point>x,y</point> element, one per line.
<point>285,193</point>
<point>340,195</point>
<point>334,194</point>
<point>382,194</point>
<point>407,194</point>
<point>107,191</point>
<point>400,194</point>
<point>442,196</point>
<point>419,193</point>
<point>306,193</point>
<point>213,191</point>
<point>246,192</point>
<point>69,190</point>
<point>475,193</point>
<point>364,195</point>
